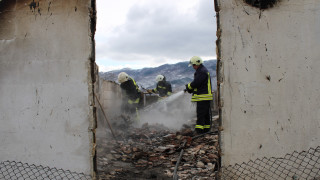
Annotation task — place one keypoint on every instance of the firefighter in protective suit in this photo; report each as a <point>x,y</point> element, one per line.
<point>163,87</point>
<point>200,88</point>
<point>130,94</point>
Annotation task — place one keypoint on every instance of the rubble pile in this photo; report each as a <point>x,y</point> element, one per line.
<point>152,152</point>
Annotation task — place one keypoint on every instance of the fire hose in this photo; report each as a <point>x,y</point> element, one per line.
<point>175,175</point>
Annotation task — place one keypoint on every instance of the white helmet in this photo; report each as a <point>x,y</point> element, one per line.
<point>123,77</point>
<point>195,60</point>
<point>159,78</point>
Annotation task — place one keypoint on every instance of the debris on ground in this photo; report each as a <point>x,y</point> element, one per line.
<point>152,152</point>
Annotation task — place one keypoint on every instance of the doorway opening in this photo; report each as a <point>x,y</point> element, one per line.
<point>145,39</point>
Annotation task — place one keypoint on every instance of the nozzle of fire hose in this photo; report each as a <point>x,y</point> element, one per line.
<point>185,90</point>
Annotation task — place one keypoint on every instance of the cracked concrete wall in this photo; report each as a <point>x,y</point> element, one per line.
<point>268,78</point>
<point>46,93</point>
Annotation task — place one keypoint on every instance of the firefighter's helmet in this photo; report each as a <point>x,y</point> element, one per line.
<point>195,60</point>
<point>123,77</point>
<point>159,78</point>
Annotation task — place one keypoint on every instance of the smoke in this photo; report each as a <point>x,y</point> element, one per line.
<point>172,112</point>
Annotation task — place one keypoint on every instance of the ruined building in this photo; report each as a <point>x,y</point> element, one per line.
<point>268,89</point>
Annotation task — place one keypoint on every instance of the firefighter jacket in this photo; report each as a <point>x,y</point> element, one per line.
<point>131,91</point>
<point>200,87</point>
<point>164,88</point>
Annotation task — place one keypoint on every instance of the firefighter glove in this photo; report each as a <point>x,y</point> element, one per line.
<point>188,90</point>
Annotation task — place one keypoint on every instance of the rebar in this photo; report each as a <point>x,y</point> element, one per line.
<point>104,114</point>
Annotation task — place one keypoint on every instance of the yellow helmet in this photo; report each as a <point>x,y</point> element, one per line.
<point>123,77</point>
<point>159,78</point>
<point>195,60</point>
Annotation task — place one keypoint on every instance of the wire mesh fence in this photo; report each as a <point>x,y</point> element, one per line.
<point>11,170</point>
<point>303,165</point>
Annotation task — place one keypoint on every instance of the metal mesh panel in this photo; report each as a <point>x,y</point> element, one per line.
<point>303,165</point>
<point>11,170</point>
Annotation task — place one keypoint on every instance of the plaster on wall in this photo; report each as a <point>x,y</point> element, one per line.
<point>268,79</point>
<point>46,101</point>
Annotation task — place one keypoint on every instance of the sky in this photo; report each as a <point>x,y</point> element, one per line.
<point>148,33</point>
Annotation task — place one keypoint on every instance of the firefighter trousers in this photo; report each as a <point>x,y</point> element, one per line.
<point>203,117</point>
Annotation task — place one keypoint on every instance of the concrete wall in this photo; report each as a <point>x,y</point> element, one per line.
<point>46,91</point>
<point>110,99</point>
<point>269,80</point>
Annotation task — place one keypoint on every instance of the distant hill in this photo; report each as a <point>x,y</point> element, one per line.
<point>177,74</point>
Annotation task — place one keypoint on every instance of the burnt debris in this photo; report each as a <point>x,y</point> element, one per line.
<point>156,152</point>
<point>262,4</point>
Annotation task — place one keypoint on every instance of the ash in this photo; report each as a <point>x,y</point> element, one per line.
<point>154,151</point>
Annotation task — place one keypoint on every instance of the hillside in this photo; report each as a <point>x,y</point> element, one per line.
<point>177,74</point>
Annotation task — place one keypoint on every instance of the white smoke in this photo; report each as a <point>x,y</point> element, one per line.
<point>172,112</point>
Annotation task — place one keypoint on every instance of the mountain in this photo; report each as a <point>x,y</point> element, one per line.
<point>177,74</point>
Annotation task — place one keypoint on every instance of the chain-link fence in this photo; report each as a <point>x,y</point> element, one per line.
<point>303,165</point>
<point>11,170</point>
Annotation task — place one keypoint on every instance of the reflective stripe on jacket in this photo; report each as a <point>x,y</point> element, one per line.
<point>134,102</point>
<point>131,91</point>
<point>201,85</point>
<point>164,88</point>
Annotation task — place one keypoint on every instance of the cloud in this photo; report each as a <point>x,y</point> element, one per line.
<point>161,33</point>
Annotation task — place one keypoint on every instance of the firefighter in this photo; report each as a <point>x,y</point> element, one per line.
<point>130,94</point>
<point>163,87</point>
<point>200,88</point>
